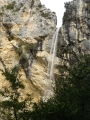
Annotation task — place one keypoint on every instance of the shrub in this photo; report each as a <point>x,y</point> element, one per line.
<point>39,5</point>
<point>10,6</point>
<point>44,14</point>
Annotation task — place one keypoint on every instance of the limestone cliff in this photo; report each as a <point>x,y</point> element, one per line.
<point>74,36</point>
<point>26,32</point>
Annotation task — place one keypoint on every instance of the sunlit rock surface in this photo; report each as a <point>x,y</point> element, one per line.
<point>26,32</point>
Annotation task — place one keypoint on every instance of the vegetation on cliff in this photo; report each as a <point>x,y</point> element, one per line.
<point>13,105</point>
<point>71,100</point>
<point>72,95</point>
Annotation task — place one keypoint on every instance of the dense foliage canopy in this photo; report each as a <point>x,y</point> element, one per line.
<point>71,100</point>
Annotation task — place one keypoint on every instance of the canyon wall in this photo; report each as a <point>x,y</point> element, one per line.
<point>26,32</point>
<point>74,35</point>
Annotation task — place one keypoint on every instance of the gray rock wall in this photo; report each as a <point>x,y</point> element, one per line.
<point>74,37</point>
<point>26,32</point>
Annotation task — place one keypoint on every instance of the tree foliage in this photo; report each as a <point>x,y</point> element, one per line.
<point>71,100</point>
<point>72,95</point>
<point>13,105</point>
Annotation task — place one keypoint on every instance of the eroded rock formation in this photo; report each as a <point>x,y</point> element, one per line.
<point>26,32</point>
<point>74,37</point>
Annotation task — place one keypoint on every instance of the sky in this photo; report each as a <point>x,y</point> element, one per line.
<point>56,6</point>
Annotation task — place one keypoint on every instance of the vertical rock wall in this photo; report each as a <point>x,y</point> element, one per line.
<point>74,36</point>
<point>26,32</point>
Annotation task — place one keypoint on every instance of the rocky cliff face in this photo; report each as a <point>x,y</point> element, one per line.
<point>26,32</point>
<point>74,36</point>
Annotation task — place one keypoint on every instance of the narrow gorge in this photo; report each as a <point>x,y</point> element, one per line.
<point>28,40</point>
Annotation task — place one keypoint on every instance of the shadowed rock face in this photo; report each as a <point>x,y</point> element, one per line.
<point>74,36</point>
<point>87,1</point>
<point>26,32</point>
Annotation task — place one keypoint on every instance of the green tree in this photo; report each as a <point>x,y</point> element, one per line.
<point>72,91</point>
<point>72,95</point>
<point>71,100</point>
<point>13,106</point>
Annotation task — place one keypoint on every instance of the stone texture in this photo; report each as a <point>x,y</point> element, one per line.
<point>26,32</point>
<point>74,36</point>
